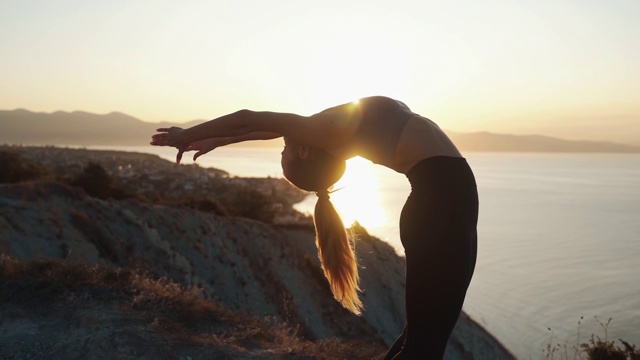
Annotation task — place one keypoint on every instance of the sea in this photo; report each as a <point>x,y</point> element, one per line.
<point>559,238</point>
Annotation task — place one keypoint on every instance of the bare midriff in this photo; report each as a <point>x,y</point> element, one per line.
<point>382,141</point>
<point>421,138</point>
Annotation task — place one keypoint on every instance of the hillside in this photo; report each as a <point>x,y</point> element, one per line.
<point>248,269</point>
<point>117,129</point>
<point>114,313</point>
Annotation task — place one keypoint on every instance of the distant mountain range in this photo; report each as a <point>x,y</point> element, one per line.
<point>117,129</point>
<point>486,141</point>
<point>75,128</point>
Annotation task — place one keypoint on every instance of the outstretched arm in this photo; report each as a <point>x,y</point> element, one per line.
<point>204,146</point>
<point>256,135</point>
<point>326,130</point>
<point>238,125</point>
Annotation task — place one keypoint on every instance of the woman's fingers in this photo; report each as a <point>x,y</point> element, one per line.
<point>167,137</point>
<point>159,140</point>
<point>179,156</point>
<point>162,139</point>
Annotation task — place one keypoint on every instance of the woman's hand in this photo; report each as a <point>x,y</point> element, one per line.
<point>167,136</point>
<point>170,137</point>
<point>204,146</point>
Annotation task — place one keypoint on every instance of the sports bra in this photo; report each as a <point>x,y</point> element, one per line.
<point>381,125</point>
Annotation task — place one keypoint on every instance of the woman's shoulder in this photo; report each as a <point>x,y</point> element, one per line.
<point>383,107</point>
<point>376,103</point>
<point>381,101</point>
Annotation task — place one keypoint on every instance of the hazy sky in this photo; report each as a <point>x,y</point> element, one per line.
<point>563,67</point>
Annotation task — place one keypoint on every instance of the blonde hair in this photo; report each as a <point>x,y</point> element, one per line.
<point>336,250</point>
<point>337,255</point>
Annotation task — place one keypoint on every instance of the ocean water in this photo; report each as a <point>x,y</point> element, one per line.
<point>559,238</point>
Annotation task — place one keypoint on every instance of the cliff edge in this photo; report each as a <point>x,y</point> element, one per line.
<point>243,266</point>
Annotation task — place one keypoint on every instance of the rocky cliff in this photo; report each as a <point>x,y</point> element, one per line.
<point>244,266</point>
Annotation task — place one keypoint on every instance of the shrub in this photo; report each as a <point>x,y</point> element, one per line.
<point>603,350</point>
<point>96,181</point>
<point>16,169</point>
<point>206,205</point>
<point>249,203</point>
<point>595,349</point>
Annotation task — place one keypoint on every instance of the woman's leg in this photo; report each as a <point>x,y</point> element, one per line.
<point>436,288</point>
<point>397,345</point>
<point>440,248</point>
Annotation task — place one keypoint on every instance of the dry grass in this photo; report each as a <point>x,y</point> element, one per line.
<point>595,349</point>
<point>181,315</point>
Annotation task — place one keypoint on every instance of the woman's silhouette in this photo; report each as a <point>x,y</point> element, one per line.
<point>438,221</point>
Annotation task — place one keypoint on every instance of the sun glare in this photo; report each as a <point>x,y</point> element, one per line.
<point>359,196</point>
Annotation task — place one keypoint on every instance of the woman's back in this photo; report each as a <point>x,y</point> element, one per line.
<point>390,134</point>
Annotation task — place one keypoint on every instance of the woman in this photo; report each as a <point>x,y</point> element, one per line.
<point>438,221</point>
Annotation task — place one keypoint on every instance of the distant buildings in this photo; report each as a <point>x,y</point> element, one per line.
<point>151,177</point>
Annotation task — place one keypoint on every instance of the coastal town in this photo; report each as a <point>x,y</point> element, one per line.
<point>151,178</point>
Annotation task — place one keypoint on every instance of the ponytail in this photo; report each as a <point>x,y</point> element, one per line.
<point>316,171</point>
<point>336,253</point>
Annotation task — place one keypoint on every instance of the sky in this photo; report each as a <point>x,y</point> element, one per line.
<point>567,68</point>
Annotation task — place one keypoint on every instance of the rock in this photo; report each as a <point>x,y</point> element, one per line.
<point>243,265</point>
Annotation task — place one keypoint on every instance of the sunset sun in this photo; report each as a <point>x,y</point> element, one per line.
<point>358,197</point>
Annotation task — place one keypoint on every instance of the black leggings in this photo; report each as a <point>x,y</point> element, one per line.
<point>438,232</point>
